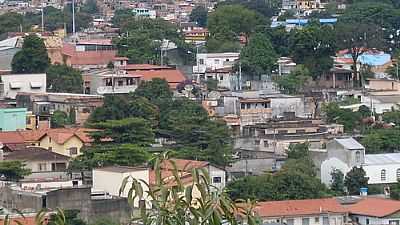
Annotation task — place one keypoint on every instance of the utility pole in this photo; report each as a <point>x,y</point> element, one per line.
<point>240,74</point>
<point>42,17</point>
<point>73,17</point>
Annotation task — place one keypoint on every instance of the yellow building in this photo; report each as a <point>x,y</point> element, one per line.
<point>65,141</point>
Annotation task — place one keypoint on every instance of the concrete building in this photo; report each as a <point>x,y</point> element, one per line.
<point>103,82</point>
<point>345,153</point>
<point>12,119</point>
<point>110,179</point>
<point>44,104</point>
<point>11,84</point>
<point>212,61</point>
<point>69,197</point>
<point>375,211</point>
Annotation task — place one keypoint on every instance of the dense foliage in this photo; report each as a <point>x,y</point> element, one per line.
<point>13,170</point>
<point>355,179</point>
<point>296,180</point>
<point>62,78</point>
<point>32,58</point>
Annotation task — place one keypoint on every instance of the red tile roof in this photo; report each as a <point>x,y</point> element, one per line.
<point>172,76</point>
<point>183,164</point>
<point>376,207</point>
<point>11,137</point>
<point>27,220</point>
<point>88,57</point>
<point>61,135</point>
<point>298,207</point>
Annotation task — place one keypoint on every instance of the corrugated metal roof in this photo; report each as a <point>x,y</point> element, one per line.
<point>349,143</point>
<point>379,159</point>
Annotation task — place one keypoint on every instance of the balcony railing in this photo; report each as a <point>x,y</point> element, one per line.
<point>116,89</point>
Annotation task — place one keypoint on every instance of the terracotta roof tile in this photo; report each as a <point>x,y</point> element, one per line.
<point>11,137</point>
<point>376,207</point>
<point>88,57</point>
<point>61,135</point>
<point>172,76</point>
<point>298,207</point>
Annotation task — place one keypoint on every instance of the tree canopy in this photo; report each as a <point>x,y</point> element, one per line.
<point>13,170</point>
<point>355,179</point>
<point>62,78</point>
<point>258,56</point>
<point>199,15</point>
<point>295,82</point>
<point>32,58</point>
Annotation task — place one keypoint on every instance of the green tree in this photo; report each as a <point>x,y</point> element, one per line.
<point>337,182</point>
<point>295,82</point>
<point>199,15</point>
<point>252,187</point>
<point>175,204</point>
<point>314,47</point>
<point>395,191</point>
<point>10,22</point>
<point>335,114</point>
<point>133,130</point>
<point>357,38</point>
<point>258,56</point>
<point>90,7</point>
<point>69,217</point>
<point>13,170</point>
<point>62,78</point>
<point>267,8</point>
<point>392,117</point>
<point>355,179</point>
<point>157,91</point>
<point>298,151</point>
<point>382,141</point>
<point>228,22</point>
<point>59,119</point>
<point>32,58</point>
<point>122,16</point>
<point>100,155</point>
<point>118,107</point>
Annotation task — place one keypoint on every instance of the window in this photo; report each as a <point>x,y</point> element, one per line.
<point>42,167</point>
<point>201,61</point>
<point>217,180</point>
<point>358,156</point>
<point>73,151</point>
<point>257,142</point>
<point>305,221</point>
<point>316,219</point>
<point>242,106</point>
<point>398,174</point>
<point>266,145</point>
<point>367,221</point>
<point>290,221</point>
<point>325,220</point>
<point>221,77</point>
<point>383,175</point>
<point>120,83</point>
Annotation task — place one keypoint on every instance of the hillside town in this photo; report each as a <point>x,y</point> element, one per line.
<point>199,112</point>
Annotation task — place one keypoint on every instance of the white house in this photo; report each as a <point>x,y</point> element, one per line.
<point>11,84</point>
<point>143,12</point>
<point>302,212</point>
<point>213,61</point>
<point>346,153</point>
<point>109,179</point>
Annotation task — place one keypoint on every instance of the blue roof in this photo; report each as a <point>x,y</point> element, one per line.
<point>329,20</point>
<point>297,21</point>
<point>373,59</point>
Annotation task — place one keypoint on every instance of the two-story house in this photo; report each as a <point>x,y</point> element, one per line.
<point>103,82</point>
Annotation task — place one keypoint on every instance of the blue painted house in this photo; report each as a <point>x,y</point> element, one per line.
<point>12,119</point>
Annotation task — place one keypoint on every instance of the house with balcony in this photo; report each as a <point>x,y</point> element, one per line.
<point>255,110</point>
<point>103,82</point>
<point>11,84</point>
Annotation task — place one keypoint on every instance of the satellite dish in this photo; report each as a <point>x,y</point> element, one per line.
<point>214,95</point>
